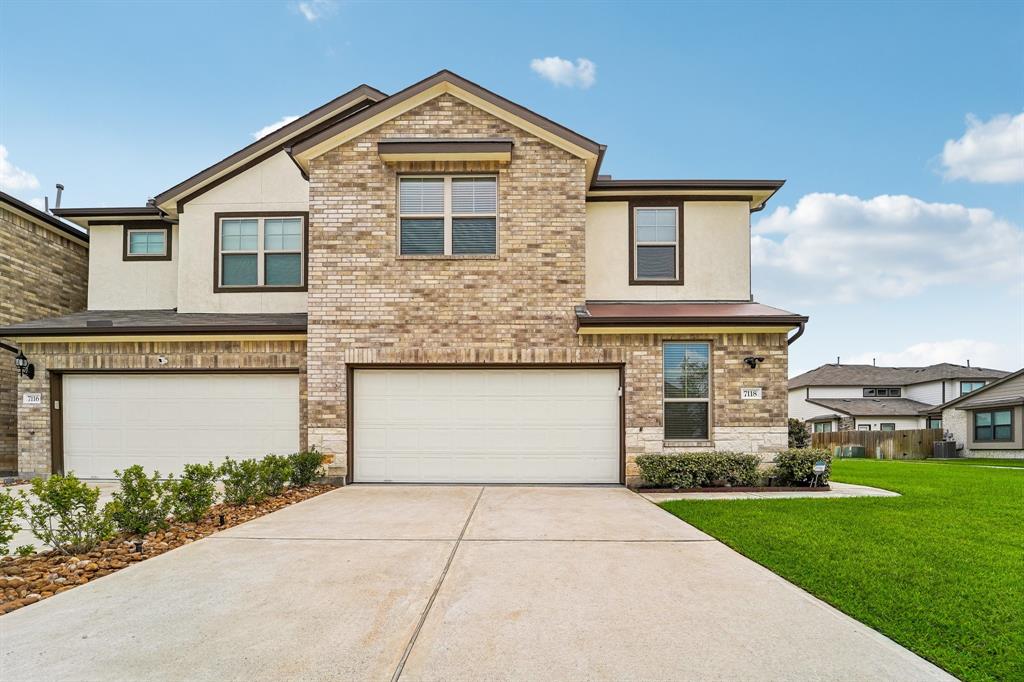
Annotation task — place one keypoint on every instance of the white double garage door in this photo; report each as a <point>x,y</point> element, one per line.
<point>538,425</point>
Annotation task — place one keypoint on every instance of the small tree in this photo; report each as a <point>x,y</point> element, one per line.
<point>10,509</point>
<point>799,437</point>
<point>63,513</point>
<point>142,503</point>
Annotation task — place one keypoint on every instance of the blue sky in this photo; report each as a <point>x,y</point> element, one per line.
<point>922,260</point>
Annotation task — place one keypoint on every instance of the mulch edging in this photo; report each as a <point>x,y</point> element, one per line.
<point>738,489</point>
<point>26,580</point>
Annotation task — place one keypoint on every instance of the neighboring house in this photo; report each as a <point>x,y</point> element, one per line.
<point>44,270</point>
<point>847,397</point>
<point>988,422</point>
<point>436,285</point>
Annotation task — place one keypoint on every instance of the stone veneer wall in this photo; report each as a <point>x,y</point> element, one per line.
<point>34,421</point>
<point>42,274</point>
<point>956,423</point>
<point>369,305</point>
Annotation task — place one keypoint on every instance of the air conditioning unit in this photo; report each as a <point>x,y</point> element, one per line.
<point>944,449</point>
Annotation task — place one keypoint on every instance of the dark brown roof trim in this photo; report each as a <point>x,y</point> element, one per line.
<point>431,81</point>
<point>443,146</point>
<point>715,321</point>
<point>599,184</point>
<point>44,217</point>
<point>141,212</point>
<point>275,139</point>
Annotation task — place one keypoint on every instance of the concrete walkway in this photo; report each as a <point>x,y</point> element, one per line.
<point>840,490</point>
<point>449,583</point>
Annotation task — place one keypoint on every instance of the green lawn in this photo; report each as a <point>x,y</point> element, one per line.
<point>939,570</point>
<point>978,462</point>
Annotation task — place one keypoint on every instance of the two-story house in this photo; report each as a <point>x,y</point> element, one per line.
<point>44,270</point>
<point>436,285</point>
<point>869,398</point>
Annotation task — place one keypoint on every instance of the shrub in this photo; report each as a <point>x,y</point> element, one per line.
<point>242,481</point>
<point>63,514</point>
<point>195,492</point>
<point>275,472</point>
<point>26,550</point>
<point>306,467</point>
<point>796,466</point>
<point>699,470</point>
<point>142,503</point>
<point>799,437</point>
<point>10,509</point>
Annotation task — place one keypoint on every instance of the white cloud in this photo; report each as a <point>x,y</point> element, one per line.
<point>13,178</point>
<point>987,152</point>
<point>314,10</point>
<point>38,202</point>
<point>956,351</point>
<point>841,248</point>
<point>560,71</point>
<point>266,130</point>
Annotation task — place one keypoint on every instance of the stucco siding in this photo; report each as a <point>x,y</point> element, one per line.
<point>117,284</point>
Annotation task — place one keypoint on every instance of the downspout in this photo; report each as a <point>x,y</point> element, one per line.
<point>799,333</point>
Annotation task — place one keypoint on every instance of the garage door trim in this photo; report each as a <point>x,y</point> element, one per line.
<point>57,396</point>
<point>351,369</point>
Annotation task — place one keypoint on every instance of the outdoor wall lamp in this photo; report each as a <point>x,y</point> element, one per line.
<point>25,368</point>
<point>753,361</point>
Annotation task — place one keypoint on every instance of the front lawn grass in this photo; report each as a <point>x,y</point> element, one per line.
<point>939,570</point>
<point>978,462</point>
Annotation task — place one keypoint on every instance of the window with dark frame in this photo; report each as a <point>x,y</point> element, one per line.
<point>970,386</point>
<point>934,422</point>
<point>686,384</point>
<point>993,426</point>
<point>448,215</point>
<point>887,426</point>
<point>656,243</point>
<point>883,392</point>
<point>261,252</point>
<point>864,427</point>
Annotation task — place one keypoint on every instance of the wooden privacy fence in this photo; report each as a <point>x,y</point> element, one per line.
<point>903,444</point>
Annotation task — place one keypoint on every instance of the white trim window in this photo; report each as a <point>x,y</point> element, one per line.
<point>448,215</point>
<point>656,243</point>
<point>147,242</point>
<point>687,390</point>
<point>261,251</point>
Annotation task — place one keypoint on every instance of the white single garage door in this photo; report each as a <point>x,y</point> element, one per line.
<point>486,425</point>
<point>164,421</point>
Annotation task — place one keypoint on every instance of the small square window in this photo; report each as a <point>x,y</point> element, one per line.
<point>147,243</point>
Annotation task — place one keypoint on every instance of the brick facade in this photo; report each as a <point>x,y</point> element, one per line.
<point>34,420</point>
<point>367,305</point>
<point>42,274</point>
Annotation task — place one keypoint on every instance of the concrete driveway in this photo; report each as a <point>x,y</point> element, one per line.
<point>443,583</point>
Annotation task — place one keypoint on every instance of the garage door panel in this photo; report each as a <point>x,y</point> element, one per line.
<point>479,425</point>
<point>164,421</point>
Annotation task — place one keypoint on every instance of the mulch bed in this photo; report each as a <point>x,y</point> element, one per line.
<point>26,580</point>
<point>737,489</point>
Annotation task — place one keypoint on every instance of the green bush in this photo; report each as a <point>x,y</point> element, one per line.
<point>306,467</point>
<point>243,482</point>
<point>796,466</point>
<point>10,509</point>
<point>195,492</point>
<point>63,514</point>
<point>275,472</point>
<point>25,550</point>
<point>142,503</point>
<point>699,470</point>
<point>799,436</point>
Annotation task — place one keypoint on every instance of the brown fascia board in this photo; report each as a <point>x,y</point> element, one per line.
<point>426,146</point>
<point>155,330</point>
<point>457,80</point>
<point>277,138</point>
<point>144,212</point>
<point>717,321</point>
<point>668,185</point>
<point>44,217</point>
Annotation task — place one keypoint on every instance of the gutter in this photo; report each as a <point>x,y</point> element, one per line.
<point>799,332</point>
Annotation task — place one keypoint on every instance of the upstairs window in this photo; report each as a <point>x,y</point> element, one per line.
<point>655,241</point>
<point>882,392</point>
<point>993,426</point>
<point>968,386</point>
<point>448,216</point>
<point>260,252</point>
<point>147,241</point>
<point>687,382</point>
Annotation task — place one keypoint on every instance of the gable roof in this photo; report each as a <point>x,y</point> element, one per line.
<point>32,213</point>
<point>447,82</point>
<point>873,407</point>
<point>973,395</point>
<point>870,375</point>
<point>171,200</point>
